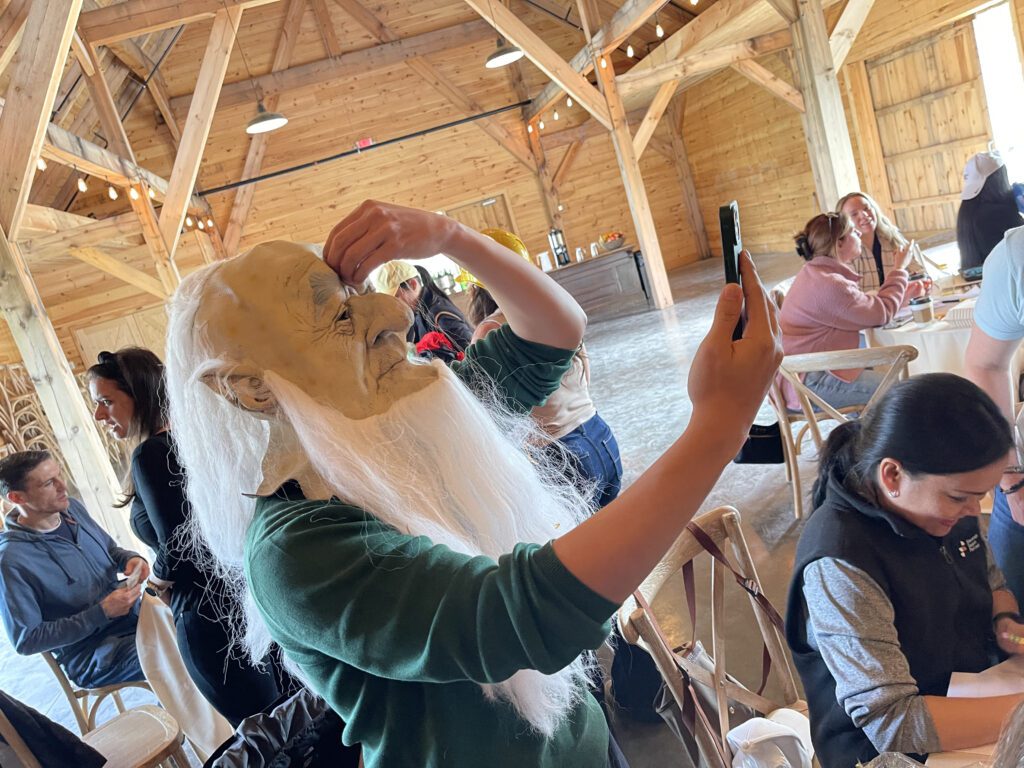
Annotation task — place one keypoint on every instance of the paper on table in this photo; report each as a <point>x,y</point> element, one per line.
<point>962,758</point>
<point>1000,680</point>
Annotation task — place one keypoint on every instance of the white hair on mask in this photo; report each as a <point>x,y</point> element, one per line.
<point>438,463</point>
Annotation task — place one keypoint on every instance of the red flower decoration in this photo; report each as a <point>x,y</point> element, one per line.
<point>435,342</point>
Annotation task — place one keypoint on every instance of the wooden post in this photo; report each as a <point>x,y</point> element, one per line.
<point>545,180</point>
<point>685,174</point>
<point>58,392</point>
<point>869,143</point>
<point>828,139</point>
<point>636,194</point>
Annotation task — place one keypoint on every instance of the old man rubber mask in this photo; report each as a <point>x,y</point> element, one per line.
<point>279,308</point>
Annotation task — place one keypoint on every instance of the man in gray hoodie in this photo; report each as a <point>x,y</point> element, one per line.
<point>59,587</point>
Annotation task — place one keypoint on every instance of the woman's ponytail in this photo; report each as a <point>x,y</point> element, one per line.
<point>838,456</point>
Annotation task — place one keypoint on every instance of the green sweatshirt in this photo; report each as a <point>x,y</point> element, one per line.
<point>397,632</point>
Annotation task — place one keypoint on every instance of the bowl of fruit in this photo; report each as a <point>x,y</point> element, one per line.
<point>612,240</point>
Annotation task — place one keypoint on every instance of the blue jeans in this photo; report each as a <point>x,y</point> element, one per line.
<point>1006,540</point>
<point>842,394</point>
<point>595,457</point>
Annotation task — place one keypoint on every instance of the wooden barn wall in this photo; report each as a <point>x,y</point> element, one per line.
<point>743,144</point>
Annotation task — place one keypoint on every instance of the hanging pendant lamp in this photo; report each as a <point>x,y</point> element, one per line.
<point>503,55</point>
<point>264,122</point>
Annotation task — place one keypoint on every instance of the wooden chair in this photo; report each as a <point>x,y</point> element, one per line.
<point>668,642</point>
<point>85,712</point>
<point>143,737</point>
<point>892,360</point>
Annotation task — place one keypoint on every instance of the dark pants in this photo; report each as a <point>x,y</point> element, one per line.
<point>1006,539</point>
<point>222,675</point>
<point>594,455</point>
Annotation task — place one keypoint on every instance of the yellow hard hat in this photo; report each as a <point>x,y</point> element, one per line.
<point>509,240</point>
<point>391,275</point>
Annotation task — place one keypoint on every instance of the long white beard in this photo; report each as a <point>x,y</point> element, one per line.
<point>437,464</point>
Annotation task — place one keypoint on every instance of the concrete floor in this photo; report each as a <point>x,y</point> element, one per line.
<point>639,372</point>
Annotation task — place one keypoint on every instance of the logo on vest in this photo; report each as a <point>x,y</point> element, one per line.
<point>971,544</point>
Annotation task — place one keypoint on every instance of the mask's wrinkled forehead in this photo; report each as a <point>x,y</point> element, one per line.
<point>325,286</point>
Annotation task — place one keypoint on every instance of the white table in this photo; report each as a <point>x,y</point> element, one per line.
<point>941,347</point>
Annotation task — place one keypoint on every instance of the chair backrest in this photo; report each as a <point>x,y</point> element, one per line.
<point>16,743</point>
<point>660,633</point>
<point>72,693</point>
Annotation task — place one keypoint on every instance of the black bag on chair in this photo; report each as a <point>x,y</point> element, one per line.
<point>763,445</point>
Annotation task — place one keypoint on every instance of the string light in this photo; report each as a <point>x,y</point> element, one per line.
<point>604,63</point>
<point>112,193</point>
<point>152,194</point>
<point>133,193</point>
<point>693,2</point>
<point>568,102</point>
<point>555,116</point>
<point>188,221</point>
<point>658,29</point>
<point>629,50</point>
<point>41,164</point>
<point>540,125</point>
<point>529,128</point>
<point>82,186</point>
<point>199,223</point>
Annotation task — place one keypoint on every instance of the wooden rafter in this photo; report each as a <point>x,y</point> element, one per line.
<point>122,229</point>
<point>627,20</point>
<point>13,25</point>
<point>771,82</point>
<point>701,62</point>
<point>137,17</point>
<point>197,126</point>
<point>114,267</point>
<point>323,71</point>
<point>258,144</point>
<point>47,39</point>
<point>847,28</point>
<point>442,84</point>
<point>653,116</point>
<point>79,49</point>
<point>540,53</point>
<point>785,8</point>
<point>565,165</point>
<point>684,173</point>
<point>325,25</point>
<point>143,67</point>
<point>865,124</point>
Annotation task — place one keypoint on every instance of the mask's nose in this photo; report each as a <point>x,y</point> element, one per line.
<point>380,315</point>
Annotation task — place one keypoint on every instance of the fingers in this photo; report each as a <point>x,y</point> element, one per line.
<point>347,231</point>
<point>754,295</point>
<point>727,313</point>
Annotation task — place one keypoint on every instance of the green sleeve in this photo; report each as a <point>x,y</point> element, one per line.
<point>337,581</point>
<point>523,372</point>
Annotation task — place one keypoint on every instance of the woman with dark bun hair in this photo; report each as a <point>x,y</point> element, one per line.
<point>127,388</point>
<point>893,587</point>
<point>826,309</point>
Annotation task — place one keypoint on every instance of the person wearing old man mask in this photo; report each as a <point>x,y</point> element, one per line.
<point>436,592</point>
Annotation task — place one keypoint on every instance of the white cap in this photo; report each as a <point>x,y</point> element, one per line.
<point>979,168</point>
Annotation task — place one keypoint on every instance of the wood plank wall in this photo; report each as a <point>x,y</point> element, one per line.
<point>743,144</point>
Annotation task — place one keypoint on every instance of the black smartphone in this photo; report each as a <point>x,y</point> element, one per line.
<point>732,245</point>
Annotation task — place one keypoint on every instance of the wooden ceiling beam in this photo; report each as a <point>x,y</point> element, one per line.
<point>197,125</point>
<point>627,20</point>
<point>325,25</point>
<point>138,17</point>
<point>122,229</point>
<point>786,9</point>
<point>244,196</point>
<point>544,58</point>
<point>36,74</point>
<point>12,25</point>
<point>493,127</point>
<point>701,62</point>
<point>847,28</point>
<point>771,82</point>
<point>651,119</point>
<point>347,65</point>
<point>78,48</point>
<point>143,67</point>
<point>566,163</point>
<point>113,266</point>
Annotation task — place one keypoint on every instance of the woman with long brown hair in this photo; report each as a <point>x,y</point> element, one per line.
<point>881,241</point>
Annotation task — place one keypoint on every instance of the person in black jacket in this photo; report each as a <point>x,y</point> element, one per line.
<point>432,311</point>
<point>893,588</point>
<point>987,209</point>
<point>127,388</point>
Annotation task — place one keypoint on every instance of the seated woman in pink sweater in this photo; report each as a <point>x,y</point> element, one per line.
<point>826,309</point>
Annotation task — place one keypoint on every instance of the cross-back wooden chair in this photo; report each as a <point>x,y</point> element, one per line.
<point>78,698</point>
<point>891,361</point>
<point>143,737</point>
<point>715,535</point>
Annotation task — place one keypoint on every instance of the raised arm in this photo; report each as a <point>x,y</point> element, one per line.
<point>537,308</point>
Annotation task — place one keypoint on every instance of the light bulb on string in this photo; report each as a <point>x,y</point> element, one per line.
<point>529,128</point>
<point>41,164</point>
<point>200,224</point>
<point>568,102</point>
<point>555,115</point>
<point>133,193</point>
<point>604,63</point>
<point>82,186</point>
<point>209,223</point>
<point>152,194</point>
<point>540,125</point>
<point>659,30</point>
<point>630,51</point>
<point>188,221</point>
<point>112,193</point>
<point>693,2</point>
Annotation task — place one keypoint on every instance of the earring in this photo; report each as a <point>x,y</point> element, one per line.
<point>894,494</point>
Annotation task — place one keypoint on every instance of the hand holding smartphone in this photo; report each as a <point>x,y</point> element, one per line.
<point>732,246</point>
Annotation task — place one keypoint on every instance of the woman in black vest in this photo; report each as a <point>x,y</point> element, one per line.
<point>127,388</point>
<point>893,588</point>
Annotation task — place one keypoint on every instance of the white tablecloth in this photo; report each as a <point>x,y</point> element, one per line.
<point>941,347</point>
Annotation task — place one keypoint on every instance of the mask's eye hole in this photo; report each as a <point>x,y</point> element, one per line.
<point>343,316</point>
